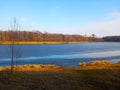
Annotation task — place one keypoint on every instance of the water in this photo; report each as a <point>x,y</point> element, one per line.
<point>67,55</point>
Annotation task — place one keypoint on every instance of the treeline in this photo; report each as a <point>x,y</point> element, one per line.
<point>44,37</point>
<point>112,38</point>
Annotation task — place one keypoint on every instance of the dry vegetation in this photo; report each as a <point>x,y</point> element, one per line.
<point>118,62</point>
<point>33,67</point>
<point>95,63</point>
<point>104,64</point>
<point>53,77</point>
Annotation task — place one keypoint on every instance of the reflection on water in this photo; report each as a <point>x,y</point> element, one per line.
<point>103,54</point>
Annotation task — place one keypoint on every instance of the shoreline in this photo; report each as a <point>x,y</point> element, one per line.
<point>104,64</point>
<point>35,42</point>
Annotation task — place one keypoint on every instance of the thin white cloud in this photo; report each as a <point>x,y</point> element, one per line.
<point>23,19</point>
<point>115,14</point>
<point>103,28</point>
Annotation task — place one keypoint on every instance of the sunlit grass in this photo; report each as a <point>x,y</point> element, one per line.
<point>39,42</point>
<point>32,67</point>
<point>104,64</point>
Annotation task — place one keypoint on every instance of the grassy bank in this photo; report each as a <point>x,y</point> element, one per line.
<point>99,65</point>
<point>32,42</point>
<point>53,77</point>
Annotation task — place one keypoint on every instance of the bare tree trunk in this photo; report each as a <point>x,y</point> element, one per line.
<point>12,57</point>
<point>14,27</point>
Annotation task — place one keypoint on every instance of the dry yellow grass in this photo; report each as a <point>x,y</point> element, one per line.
<point>49,67</point>
<point>1,68</point>
<point>104,64</point>
<point>95,63</point>
<point>35,42</point>
<point>32,67</point>
<point>119,62</point>
<point>30,42</point>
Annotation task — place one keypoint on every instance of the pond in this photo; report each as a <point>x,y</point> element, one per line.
<point>66,55</point>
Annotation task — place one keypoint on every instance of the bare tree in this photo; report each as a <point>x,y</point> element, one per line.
<point>13,39</point>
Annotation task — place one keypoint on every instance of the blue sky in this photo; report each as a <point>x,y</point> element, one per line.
<point>101,17</point>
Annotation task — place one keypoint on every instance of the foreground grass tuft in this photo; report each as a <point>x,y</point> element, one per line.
<point>32,67</point>
<point>99,65</point>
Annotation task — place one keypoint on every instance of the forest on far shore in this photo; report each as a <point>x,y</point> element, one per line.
<point>37,36</point>
<point>112,38</point>
<point>45,37</point>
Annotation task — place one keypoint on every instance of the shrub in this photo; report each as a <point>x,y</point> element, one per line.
<point>118,62</point>
<point>95,63</point>
<point>1,68</point>
<point>104,62</point>
<point>7,68</point>
<point>82,64</point>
